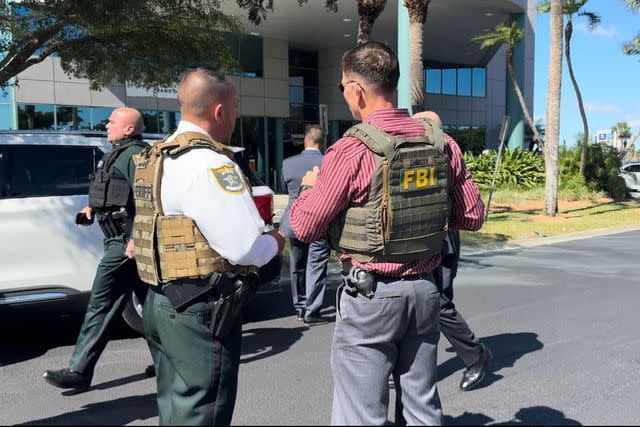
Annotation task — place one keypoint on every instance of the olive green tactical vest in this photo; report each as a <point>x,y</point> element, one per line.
<point>170,247</point>
<point>405,216</point>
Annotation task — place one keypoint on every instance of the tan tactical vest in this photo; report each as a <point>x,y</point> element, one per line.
<point>170,247</point>
<point>405,216</point>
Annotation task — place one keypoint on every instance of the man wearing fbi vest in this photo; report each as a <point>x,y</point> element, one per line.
<point>387,192</point>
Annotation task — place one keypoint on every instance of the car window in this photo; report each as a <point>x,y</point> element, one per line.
<point>39,171</point>
<point>632,168</point>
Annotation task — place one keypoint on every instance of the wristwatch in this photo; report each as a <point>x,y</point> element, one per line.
<point>305,187</point>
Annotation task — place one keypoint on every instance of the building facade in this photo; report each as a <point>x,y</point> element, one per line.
<point>290,72</point>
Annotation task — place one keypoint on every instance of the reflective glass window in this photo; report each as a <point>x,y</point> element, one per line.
<point>451,130</point>
<point>49,170</point>
<point>464,82</point>
<point>100,117</point>
<point>150,118</point>
<point>449,78</point>
<point>73,117</point>
<point>433,81</point>
<point>477,140</point>
<point>250,55</point>
<point>35,116</point>
<point>480,82</point>
<point>464,138</point>
<point>168,121</point>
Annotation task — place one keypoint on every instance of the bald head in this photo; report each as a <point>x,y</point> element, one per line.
<point>428,115</point>
<point>200,90</point>
<point>124,122</point>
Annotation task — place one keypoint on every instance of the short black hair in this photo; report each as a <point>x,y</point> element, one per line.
<point>376,63</point>
<point>314,133</point>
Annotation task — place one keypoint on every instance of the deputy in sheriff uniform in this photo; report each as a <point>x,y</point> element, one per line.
<point>111,201</point>
<point>198,241</point>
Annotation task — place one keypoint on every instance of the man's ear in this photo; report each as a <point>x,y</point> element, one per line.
<point>217,112</point>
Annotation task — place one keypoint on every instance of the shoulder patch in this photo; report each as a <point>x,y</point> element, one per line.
<point>228,179</point>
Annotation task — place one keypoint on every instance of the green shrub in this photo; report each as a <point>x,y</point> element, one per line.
<point>518,169</point>
<point>616,188</point>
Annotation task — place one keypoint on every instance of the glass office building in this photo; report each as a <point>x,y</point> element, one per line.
<point>290,71</point>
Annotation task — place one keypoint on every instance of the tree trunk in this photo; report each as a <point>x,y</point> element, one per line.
<point>567,52</point>
<point>368,11</point>
<point>554,92</point>
<point>523,105</point>
<point>416,67</point>
<point>418,11</point>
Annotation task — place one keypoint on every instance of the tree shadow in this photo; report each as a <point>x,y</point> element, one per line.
<point>506,350</point>
<point>534,415</point>
<point>113,412</point>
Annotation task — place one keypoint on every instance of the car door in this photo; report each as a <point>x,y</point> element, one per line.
<point>42,189</point>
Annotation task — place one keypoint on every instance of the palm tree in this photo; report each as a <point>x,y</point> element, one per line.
<point>623,131</point>
<point>510,35</point>
<point>418,11</point>
<point>553,111</point>
<point>632,47</point>
<point>574,9</point>
<point>368,11</point>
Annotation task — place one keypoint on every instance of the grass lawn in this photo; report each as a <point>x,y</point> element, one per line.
<point>524,219</point>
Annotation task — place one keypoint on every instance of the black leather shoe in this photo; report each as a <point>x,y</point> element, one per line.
<point>300,314</point>
<point>66,378</point>
<point>472,376</point>
<point>150,371</point>
<point>315,319</point>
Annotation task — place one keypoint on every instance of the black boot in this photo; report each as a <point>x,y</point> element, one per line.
<point>68,379</point>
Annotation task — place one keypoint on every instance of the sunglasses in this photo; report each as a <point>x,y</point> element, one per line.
<point>342,86</point>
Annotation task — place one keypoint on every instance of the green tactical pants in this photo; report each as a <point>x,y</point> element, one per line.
<point>197,375</point>
<point>112,284</point>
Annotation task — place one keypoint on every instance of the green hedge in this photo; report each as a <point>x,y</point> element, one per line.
<point>518,168</point>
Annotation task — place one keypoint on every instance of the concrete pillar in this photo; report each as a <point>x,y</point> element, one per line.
<point>404,85</point>
<point>278,144</point>
<point>515,135</point>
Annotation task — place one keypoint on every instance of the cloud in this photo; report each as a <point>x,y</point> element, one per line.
<point>600,30</point>
<point>596,107</point>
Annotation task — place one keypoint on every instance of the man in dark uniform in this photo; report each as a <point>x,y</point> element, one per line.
<point>475,355</point>
<point>111,201</point>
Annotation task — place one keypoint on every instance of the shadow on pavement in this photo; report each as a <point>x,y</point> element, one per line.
<point>534,415</point>
<point>113,412</point>
<point>274,301</point>
<point>260,343</point>
<point>506,350</point>
<point>26,336</point>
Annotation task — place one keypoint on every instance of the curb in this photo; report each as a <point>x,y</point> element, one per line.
<point>542,241</point>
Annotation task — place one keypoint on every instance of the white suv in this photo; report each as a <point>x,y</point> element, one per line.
<point>45,258</point>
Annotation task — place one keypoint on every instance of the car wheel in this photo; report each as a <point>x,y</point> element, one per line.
<point>132,313</point>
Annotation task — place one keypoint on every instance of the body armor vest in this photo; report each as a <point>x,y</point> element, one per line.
<point>170,247</point>
<point>109,189</point>
<point>405,216</point>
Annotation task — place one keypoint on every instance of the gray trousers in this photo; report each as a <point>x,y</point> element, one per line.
<point>308,274</point>
<point>396,333</point>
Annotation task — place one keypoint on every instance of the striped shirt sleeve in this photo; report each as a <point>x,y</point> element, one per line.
<point>467,208</point>
<point>344,177</point>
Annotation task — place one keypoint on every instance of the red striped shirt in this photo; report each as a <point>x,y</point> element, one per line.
<point>345,177</point>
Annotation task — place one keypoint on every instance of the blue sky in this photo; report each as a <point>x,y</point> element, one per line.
<point>608,80</point>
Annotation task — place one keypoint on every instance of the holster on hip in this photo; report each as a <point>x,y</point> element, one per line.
<point>235,294</point>
<point>359,281</point>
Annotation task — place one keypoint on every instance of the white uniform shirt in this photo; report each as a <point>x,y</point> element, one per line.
<point>228,220</point>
